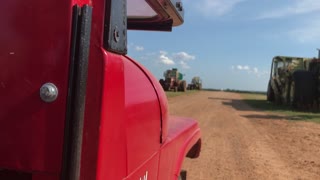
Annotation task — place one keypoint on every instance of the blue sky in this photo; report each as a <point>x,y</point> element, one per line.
<point>230,43</point>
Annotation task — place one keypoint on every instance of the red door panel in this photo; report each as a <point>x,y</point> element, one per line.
<point>34,50</point>
<point>143,118</point>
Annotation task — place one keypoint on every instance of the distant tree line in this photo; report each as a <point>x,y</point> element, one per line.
<point>237,91</point>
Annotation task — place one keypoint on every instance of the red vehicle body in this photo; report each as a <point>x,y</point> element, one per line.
<point>110,117</point>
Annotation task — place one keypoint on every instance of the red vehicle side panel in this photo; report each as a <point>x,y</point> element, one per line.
<point>163,102</point>
<point>179,135</point>
<point>127,133</point>
<point>143,118</point>
<point>130,121</point>
<point>81,2</point>
<point>34,49</point>
<point>183,133</point>
<point>112,154</point>
<point>148,170</point>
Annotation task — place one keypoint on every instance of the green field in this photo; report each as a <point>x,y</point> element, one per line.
<point>259,102</point>
<point>173,94</point>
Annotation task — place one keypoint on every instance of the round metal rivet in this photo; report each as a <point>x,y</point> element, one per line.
<point>48,92</point>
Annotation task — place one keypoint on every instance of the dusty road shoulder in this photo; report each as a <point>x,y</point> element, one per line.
<point>242,143</point>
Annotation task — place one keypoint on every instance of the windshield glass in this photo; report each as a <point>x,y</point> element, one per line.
<point>139,9</point>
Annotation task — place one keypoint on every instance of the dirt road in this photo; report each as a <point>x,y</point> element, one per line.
<point>239,142</point>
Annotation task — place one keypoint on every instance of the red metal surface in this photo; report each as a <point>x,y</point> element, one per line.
<point>162,99</point>
<point>148,170</point>
<point>183,133</point>
<point>142,116</point>
<point>34,49</point>
<point>43,176</point>
<point>135,150</point>
<point>111,111</point>
<point>112,153</point>
<point>129,129</point>
<point>16,175</point>
<point>125,104</point>
<point>81,2</point>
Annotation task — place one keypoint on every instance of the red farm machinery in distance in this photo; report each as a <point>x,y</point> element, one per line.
<point>173,80</point>
<point>74,106</point>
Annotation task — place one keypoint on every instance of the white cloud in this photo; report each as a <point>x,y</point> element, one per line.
<point>184,65</point>
<point>298,7</point>
<point>180,58</point>
<point>164,59</point>
<point>135,47</point>
<point>163,52</point>
<point>139,48</point>
<point>184,56</point>
<point>216,7</point>
<point>240,67</point>
<point>245,68</point>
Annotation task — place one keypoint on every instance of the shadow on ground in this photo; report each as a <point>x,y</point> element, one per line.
<point>278,117</point>
<point>236,104</point>
<point>239,104</point>
<point>265,106</point>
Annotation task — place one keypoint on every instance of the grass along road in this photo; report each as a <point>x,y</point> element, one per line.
<point>259,102</point>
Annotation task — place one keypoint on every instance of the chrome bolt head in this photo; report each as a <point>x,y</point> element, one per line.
<point>48,92</point>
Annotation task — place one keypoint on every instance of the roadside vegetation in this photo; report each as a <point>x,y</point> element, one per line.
<point>174,94</point>
<point>236,91</point>
<point>259,101</point>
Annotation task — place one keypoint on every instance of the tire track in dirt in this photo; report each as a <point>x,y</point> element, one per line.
<point>241,143</point>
